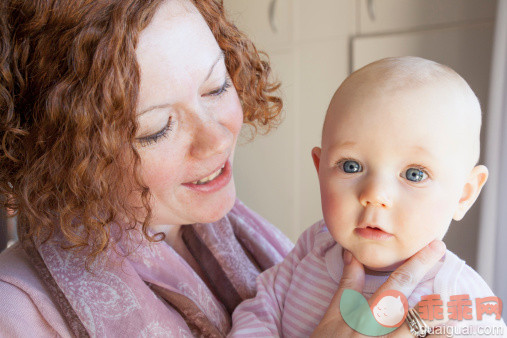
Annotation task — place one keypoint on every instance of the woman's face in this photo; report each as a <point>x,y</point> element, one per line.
<point>189,118</point>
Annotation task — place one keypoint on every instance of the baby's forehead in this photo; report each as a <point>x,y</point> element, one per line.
<point>412,95</point>
<point>403,79</point>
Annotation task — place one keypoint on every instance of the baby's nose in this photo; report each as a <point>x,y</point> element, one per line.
<point>376,193</point>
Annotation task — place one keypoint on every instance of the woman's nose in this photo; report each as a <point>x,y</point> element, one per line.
<point>376,192</point>
<point>210,138</point>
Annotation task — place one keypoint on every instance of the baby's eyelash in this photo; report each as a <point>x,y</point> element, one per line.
<point>420,167</point>
<point>148,140</point>
<point>354,166</point>
<point>340,162</point>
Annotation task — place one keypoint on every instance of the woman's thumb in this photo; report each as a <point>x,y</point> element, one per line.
<point>353,273</point>
<point>352,278</point>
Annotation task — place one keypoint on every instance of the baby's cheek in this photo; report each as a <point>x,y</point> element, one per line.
<point>332,205</point>
<point>436,222</point>
<point>340,214</point>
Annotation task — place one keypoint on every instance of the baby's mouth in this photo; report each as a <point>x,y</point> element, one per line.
<point>375,228</point>
<point>373,232</point>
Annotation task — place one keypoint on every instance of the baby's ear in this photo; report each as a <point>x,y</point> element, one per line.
<point>471,190</point>
<point>316,157</point>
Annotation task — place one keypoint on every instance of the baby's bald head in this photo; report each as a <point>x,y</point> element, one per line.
<point>392,78</point>
<point>397,162</point>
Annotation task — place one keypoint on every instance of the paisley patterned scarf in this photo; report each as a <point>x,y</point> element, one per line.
<point>153,291</point>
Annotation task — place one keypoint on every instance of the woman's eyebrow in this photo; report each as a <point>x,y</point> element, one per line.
<point>220,57</point>
<point>158,106</point>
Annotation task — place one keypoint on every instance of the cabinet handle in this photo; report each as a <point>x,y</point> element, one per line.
<point>271,15</point>
<point>371,10</point>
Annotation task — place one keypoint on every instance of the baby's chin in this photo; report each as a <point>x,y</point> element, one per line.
<point>374,265</point>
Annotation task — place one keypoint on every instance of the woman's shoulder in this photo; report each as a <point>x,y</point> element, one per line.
<point>26,305</point>
<point>15,265</point>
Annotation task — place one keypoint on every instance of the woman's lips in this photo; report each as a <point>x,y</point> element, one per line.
<point>216,183</point>
<point>373,233</point>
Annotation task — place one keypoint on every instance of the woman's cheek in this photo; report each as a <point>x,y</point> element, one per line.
<point>161,168</point>
<point>236,116</point>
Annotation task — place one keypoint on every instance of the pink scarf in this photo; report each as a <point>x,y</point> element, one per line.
<point>130,296</point>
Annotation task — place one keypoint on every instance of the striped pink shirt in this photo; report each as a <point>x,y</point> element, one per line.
<point>293,296</point>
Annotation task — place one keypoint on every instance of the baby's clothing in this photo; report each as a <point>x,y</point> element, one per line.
<point>293,296</point>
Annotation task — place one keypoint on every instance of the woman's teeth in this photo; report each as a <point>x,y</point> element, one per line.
<point>210,177</point>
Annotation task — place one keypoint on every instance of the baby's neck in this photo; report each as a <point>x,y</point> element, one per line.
<point>382,271</point>
<point>376,272</point>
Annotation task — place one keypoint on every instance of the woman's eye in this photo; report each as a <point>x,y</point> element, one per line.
<point>352,167</point>
<point>221,90</point>
<point>415,175</point>
<point>150,139</point>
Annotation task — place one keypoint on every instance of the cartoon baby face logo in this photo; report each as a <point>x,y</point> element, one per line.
<point>386,313</point>
<point>390,308</point>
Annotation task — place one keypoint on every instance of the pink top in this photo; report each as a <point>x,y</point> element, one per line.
<point>293,296</point>
<point>115,299</point>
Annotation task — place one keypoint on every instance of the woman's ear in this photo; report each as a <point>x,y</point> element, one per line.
<point>316,157</point>
<point>471,190</point>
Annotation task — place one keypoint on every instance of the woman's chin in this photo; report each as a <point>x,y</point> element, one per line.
<point>215,207</point>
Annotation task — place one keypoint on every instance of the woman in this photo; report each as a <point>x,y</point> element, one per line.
<point>119,121</point>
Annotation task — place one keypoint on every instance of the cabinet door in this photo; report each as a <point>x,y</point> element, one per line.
<point>323,65</point>
<point>377,16</point>
<point>468,51</point>
<point>267,22</point>
<point>316,20</point>
<point>264,169</point>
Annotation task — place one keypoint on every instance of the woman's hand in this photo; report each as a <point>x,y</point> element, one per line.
<point>404,279</point>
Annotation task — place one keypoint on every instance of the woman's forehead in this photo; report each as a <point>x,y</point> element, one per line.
<point>175,54</point>
<point>172,19</point>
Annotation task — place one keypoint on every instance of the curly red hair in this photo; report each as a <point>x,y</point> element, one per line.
<point>69,84</point>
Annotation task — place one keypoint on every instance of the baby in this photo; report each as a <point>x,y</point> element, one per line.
<point>397,163</point>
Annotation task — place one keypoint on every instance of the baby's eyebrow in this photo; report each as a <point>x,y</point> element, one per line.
<point>423,150</point>
<point>344,144</point>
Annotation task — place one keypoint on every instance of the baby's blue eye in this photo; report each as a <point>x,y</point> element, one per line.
<point>415,175</point>
<point>351,167</point>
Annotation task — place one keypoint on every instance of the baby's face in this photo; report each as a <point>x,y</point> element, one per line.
<point>393,169</point>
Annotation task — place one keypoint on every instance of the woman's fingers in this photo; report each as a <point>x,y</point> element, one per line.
<point>407,276</point>
<point>332,324</point>
<point>404,330</point>
<point>404,279</point>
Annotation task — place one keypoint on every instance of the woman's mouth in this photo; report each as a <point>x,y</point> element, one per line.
<point>213,182</point>
<point>210,177</point>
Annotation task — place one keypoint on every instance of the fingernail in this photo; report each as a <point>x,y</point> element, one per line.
<point>438,246</point>
<point>347,257</point>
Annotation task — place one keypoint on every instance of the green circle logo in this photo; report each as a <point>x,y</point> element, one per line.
<point>385,315</point>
